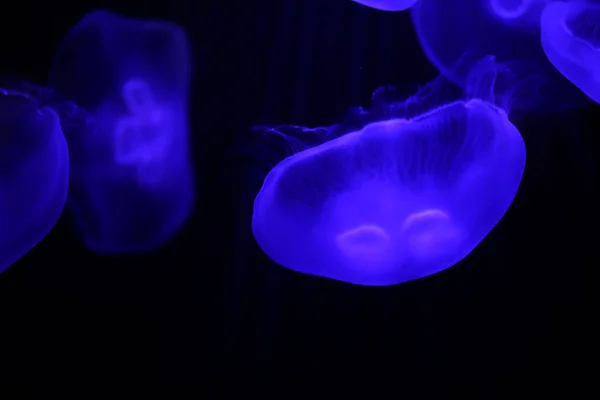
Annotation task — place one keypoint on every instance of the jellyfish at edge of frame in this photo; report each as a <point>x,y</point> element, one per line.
<point>131,185</point>
<point>571,40</point>
<point>455,35</point>
<point>35,172</point>
<point>387,5</point>
<point>396,200</point>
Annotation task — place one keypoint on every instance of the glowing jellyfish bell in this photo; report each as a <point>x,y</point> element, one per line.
<point>131,180</point>
<point>397,199</point>
<point>571,40</point>
<point>456,34</point>
<point>387,5</point>
<point>35,170</point>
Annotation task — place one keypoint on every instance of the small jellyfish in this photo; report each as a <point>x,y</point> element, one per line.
<point>388,5</point>
<point>131,183</point>
<point>397,199</point>
<point>571,40</point>
<point>34,172</point>
<point>456,34</point>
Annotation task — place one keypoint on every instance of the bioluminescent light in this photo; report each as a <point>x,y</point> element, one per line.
<point>388,5</point>
<point>34,174</point>
<point>397,199</point>
<point>571,40</point>
<point>131,184</point>
<point>456,34</point>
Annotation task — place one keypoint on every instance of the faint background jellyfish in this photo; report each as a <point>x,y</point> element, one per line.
<point>456,34</point>
<point>403,197</point>
<point>571,40</point>
<point>388,5</point>
<point>34,169</point>
<point>131,182</point>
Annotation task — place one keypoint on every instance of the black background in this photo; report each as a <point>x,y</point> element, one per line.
<point>211,310</point>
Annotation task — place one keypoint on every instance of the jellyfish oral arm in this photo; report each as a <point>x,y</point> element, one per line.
<point>141,137</point>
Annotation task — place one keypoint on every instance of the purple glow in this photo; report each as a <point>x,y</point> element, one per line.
<point>34,173</point>
<point>456,34</point>
<point>387,5</point>
<point>131,185</point>
<point>571,40</point>
<point>396,199</point>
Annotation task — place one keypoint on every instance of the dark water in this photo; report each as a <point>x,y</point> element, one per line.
<point>210,309</point>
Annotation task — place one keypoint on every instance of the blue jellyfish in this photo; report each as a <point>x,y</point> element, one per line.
<point>131,182</point>
<point>399,198</point>
<point>456,34</point>
<point>571,40</point>
<point>34,173</point>
<point>388,5</point>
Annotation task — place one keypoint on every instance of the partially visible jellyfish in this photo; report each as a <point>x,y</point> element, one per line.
<point>34,173</point>
<point>131,184</point>
<point>400,198</point>
<point>456,34</point>
<point>388,5</point>
<point>571,40</point>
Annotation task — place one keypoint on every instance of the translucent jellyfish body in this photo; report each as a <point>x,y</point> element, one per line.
<point>34,173</point>
<point>571,40</point>
<point>456,34</point>
<point>395,201</point>
<point>387,5</point>
<point>131,182</point>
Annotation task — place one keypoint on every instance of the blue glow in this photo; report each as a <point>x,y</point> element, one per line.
<point>34,172</point>
<point>571,40</point>
<point>406,195</point>
<point>388,5</point>
<point>456,34</point>
<point>131,184</point>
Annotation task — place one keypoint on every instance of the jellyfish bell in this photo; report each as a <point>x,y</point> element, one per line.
<point>387,5</point>
<point>395,200</point>
<point>571,40</point>
<point>132,185</point>
<point>455,35</point>
<point>35,170</point>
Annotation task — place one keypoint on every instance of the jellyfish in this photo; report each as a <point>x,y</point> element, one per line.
<point>571,40</point>
<point>401,198</point>
<point>34,173</point>
<point>131,181</point>
<point>455,35</point>
<point>387,5</point>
